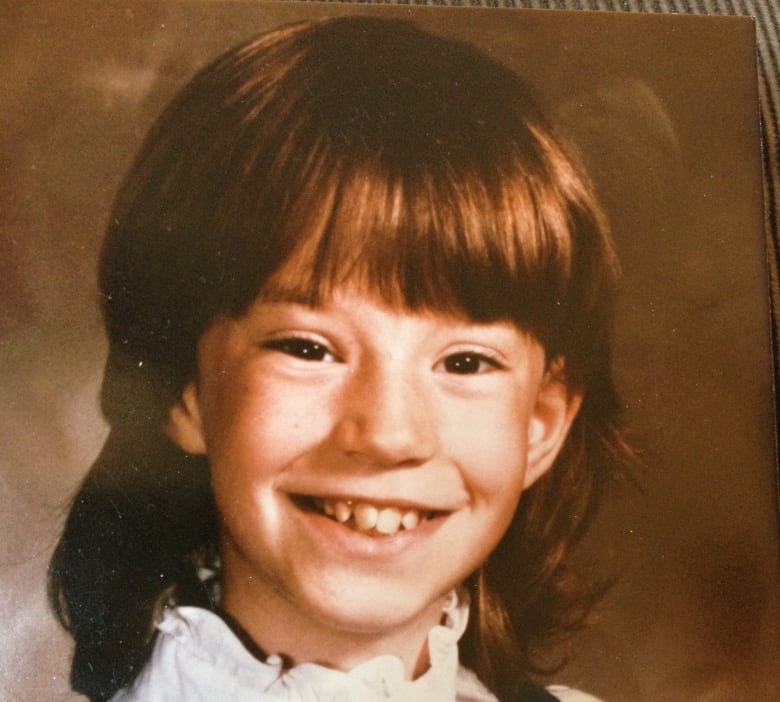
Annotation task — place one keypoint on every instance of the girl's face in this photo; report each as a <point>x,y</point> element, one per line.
<point>365,460</point>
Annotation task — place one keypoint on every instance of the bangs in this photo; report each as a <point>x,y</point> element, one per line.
<point>489,243</point>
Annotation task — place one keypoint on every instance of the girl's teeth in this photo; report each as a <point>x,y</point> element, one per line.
<point>366,517</point>
<point>341,510</point>
<point>388,521</point>
<point>410,519</point>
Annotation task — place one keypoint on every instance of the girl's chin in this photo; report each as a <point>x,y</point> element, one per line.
<point>378,609</point>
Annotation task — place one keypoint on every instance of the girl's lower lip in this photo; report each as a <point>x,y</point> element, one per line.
<point>356,544</point>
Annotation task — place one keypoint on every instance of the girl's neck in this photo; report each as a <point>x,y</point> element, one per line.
<point>276,626</point>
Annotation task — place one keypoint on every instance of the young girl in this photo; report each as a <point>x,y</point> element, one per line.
<point>357,299</point>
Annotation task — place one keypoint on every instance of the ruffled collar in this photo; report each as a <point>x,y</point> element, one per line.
<point>217,665</point>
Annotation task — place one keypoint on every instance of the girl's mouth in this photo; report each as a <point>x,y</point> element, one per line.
<point>375,520</point>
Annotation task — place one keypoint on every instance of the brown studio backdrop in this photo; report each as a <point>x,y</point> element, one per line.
<point>665,111</point>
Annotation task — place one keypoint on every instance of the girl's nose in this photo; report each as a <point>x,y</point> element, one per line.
<point>386,420</point>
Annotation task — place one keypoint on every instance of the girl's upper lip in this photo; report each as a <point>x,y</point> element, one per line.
<point>439,492</point>
<point>384,500</point>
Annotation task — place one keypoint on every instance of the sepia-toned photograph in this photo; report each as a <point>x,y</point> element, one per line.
<point>358,352</point>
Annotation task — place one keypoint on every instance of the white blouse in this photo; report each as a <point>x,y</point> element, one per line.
<point>197,658</point>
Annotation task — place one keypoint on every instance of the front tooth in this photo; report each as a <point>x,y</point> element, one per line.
<point>365,516</point>
<point>329,508</point>
<point>342,511</point>
<point>388,520</point>
<point>410,519</point>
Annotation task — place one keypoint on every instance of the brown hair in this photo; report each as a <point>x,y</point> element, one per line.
<point>358,149</point>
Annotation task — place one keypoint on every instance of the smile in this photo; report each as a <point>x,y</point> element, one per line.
<point>369,518</point>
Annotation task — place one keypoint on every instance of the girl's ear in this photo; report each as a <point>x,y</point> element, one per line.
<point>184,426</point>
<point>556,407</point>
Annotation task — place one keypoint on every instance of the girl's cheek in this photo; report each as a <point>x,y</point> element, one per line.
<point>259,424</point>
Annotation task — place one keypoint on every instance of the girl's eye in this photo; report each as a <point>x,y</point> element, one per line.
<point>469,363</point>
<point>305,349</point>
